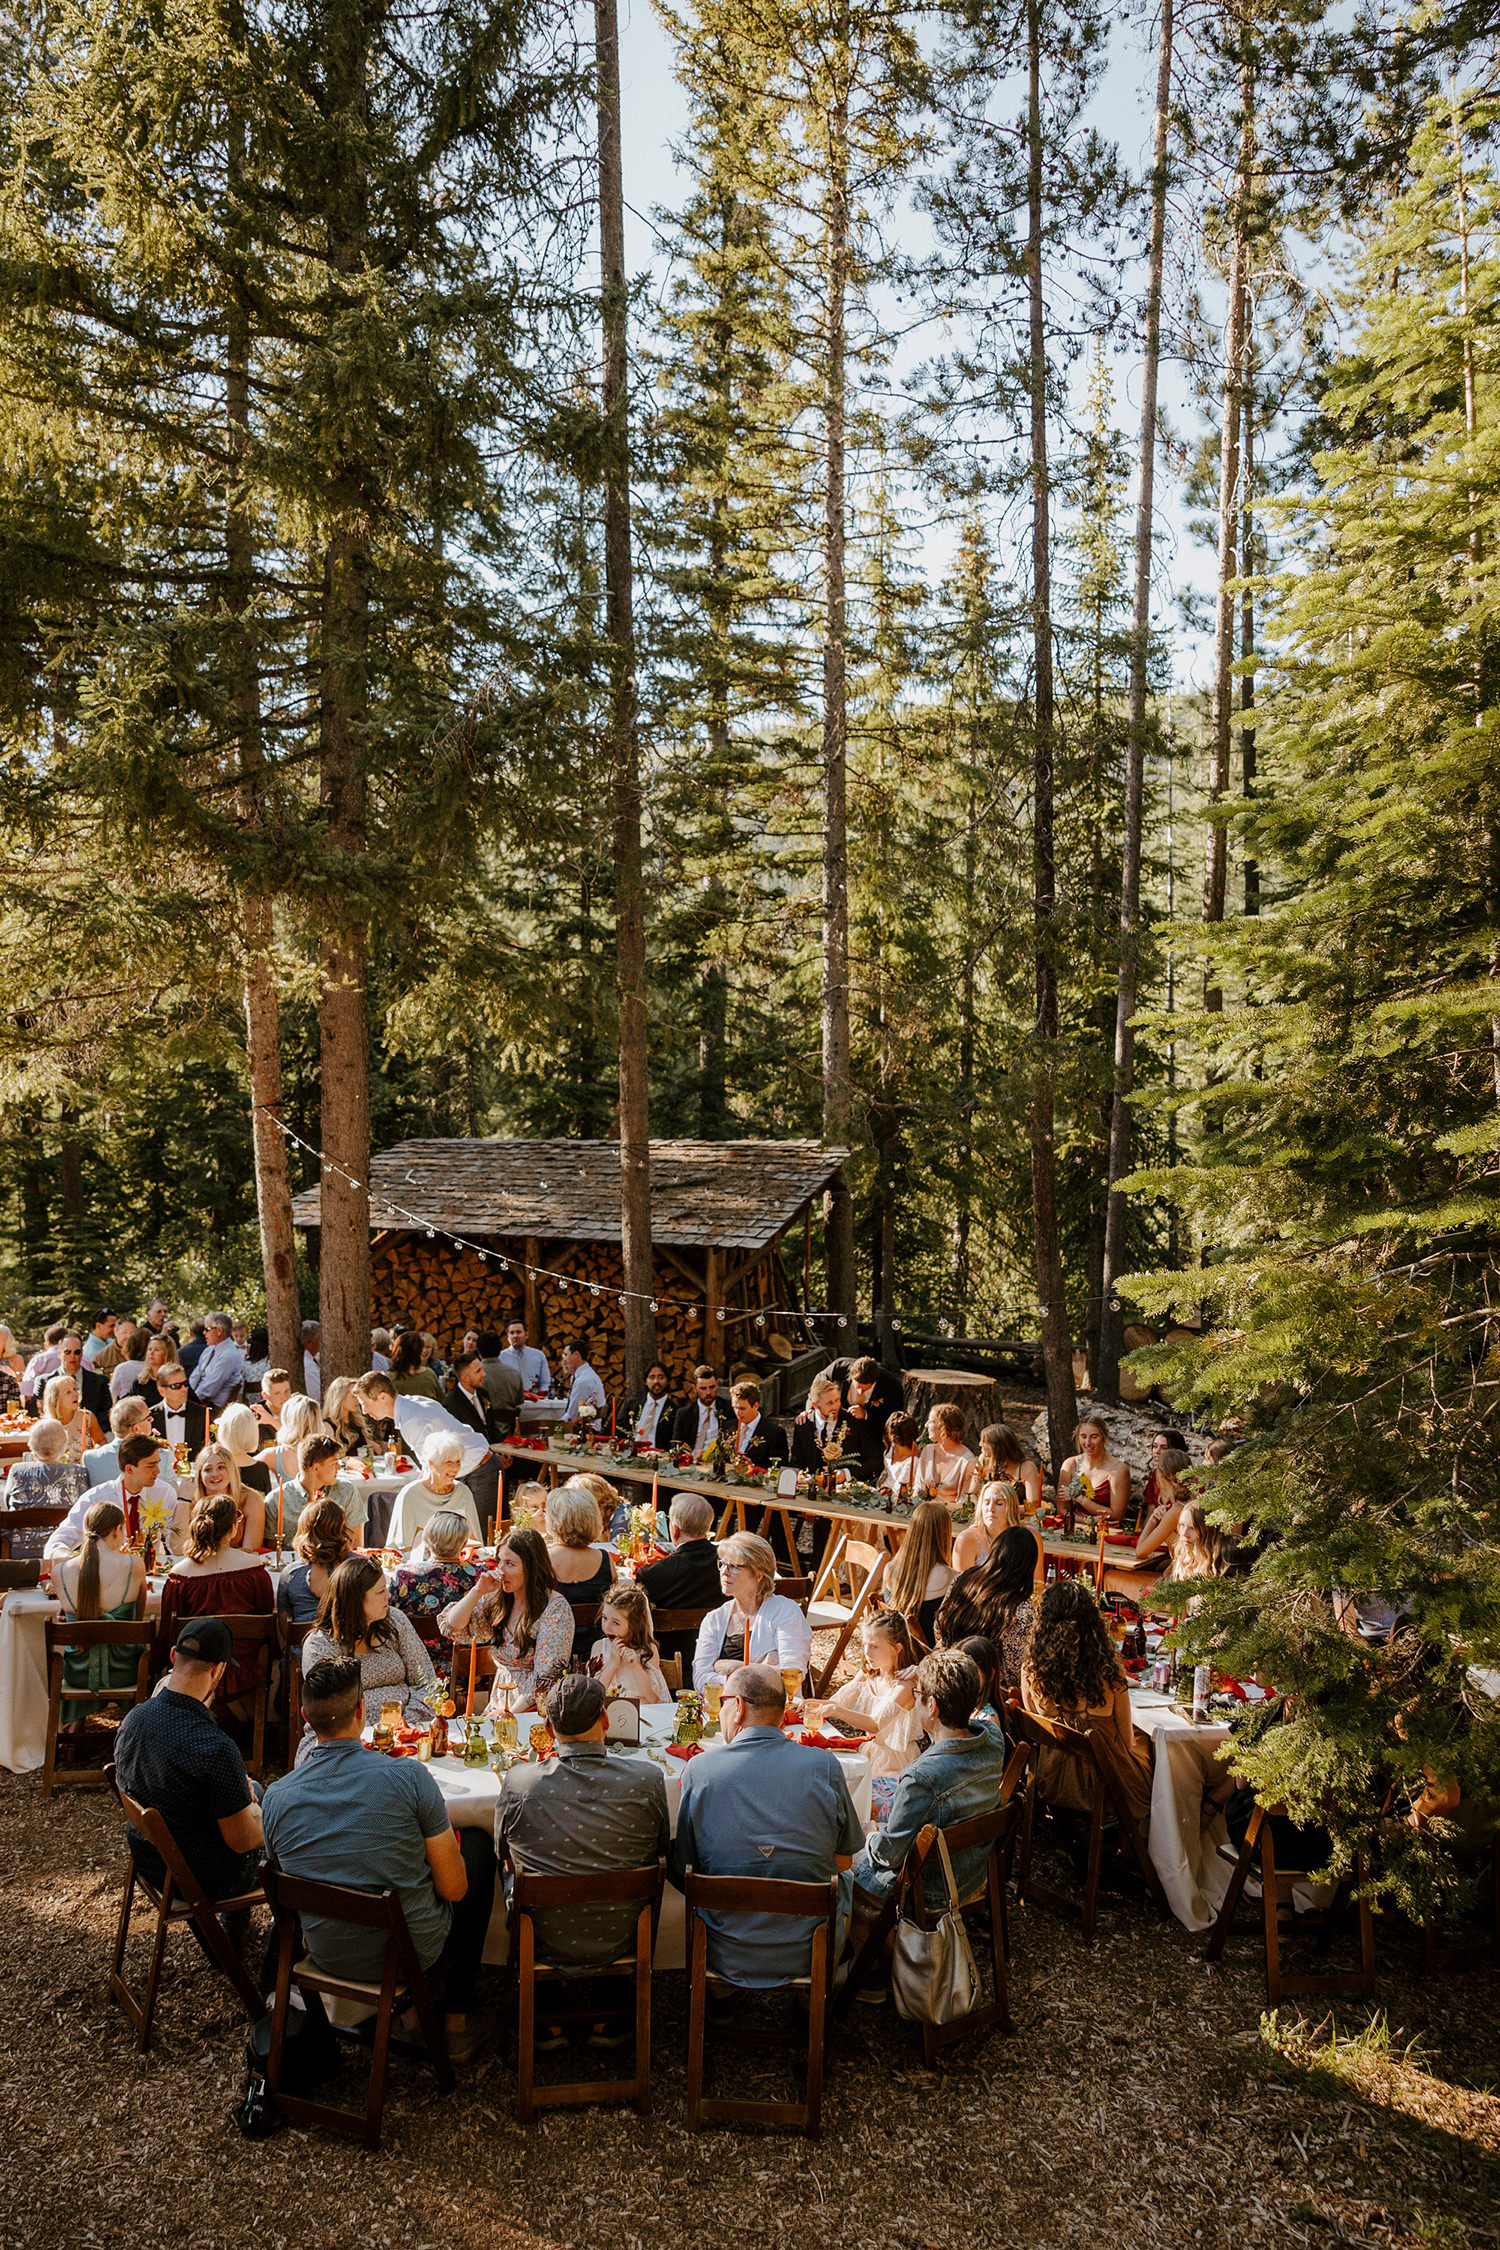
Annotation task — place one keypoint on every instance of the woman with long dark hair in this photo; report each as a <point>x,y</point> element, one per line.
<point>355,1619</point>
<point>517,1608</point>
<point>994,1599</point>
<point>1071,1673</point>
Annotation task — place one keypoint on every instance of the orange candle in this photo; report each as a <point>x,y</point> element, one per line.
<point>473,1669</point>
<point>612,1405</point>
<point>655,1481</point>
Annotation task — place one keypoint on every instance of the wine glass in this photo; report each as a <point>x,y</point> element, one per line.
<point>504,1723</point>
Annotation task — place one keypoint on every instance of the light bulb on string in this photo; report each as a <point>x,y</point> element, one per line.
<point>655,1307</point>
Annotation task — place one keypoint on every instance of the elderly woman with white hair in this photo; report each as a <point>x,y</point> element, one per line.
<point>755,1625</point>
<point>436,1491</point>
<point>43,1478</point>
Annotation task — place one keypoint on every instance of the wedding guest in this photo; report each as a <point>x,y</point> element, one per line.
<point>1004,1459</point>
<point>318,1464</point>
<point>527,1361</point>
<point>997,1509</point>
<point>754,1625</point>
<point>159,1352</point>
<point>1163,1441</point>
<point>341,1415</point>
<point>517,1606</point>
<point>215,1578</point>
<point>883,1697</point>
<point>239,1434</point>
<point>411,1378</point>
<point>266,1403</point>
<point>44,1363</point>
<point>1173,1492</point>
<point>100,1336</point>
<point>470,1401</point>
<point>312,1339</point>
<point>437,1490</point>
<point>215,1477</point>
<point>1094,1465</point>
<point>356,1620</point>
<point>220,1372</point>
<point>138,1483</point>
<point>124,1363</point>
<point>1071,1672</point>
<point>172,1758</point>
<point>583,1569</point>
<point>12,1368</point>
<point>687,1578</point>
<point>696,1425</point>
<point>754,1442</point>
<point>178,1418</point>
<point>994,1599</point>
<point>649,1419</point>
<point>300,1417</point>
<point>101,1580</point>
<point>946,1466</point>
<point>922,1572</point>
<point>903,1454</point>
<point>626,1657</point>
<point>433,1577</point>
<point>584,1386</point>
<point>128,1417</point>
<point>44,1478</point>
<point>60,1403</point>
<point>320,1542</point>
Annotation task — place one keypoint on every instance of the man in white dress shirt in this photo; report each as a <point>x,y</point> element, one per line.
<point>654,1413</point>
<point>529,1362</point>
<point>584,1386</point>
<point>416,1418</point>
<point>220,1372</point>
<point>140,1459</point>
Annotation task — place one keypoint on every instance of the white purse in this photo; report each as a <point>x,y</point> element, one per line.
<point>934,1978</point>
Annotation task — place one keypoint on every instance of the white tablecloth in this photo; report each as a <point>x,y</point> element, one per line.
<point>1183,1852</point>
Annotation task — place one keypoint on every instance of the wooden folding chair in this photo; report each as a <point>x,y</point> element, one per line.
<point>402,1984</point>
<point>529,1895</point>
<point>24,1570</point>
<point>1438,1954</point>
<point>292,1638</point>
<point>257,1630</point>
<point>103,1632</point>
<point>868,1564</point>
<point>1277,1885</point>
<point>179,1898</point>
<point>1107,1809</point>
<point>671,1672</point>
<point>753,1894</point>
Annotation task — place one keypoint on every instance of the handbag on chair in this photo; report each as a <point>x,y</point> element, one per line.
<point>934,1978</point>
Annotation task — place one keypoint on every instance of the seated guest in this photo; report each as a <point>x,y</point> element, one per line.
<point>945,1466</point>
<point>820,1424</point>
<point>688,1578</point>
<point>44,1363</point>
<point>158,1324</point>
<point>755,1444</point>
<point>584,1386</point>
<point>356,1620</point>
<point>764,1806</point>
<point>139,1479</point>
<point>433,1577</point>
<point>696,1424</point>
<point>957,1777</point>
<point>129,1360</point>
<point>80,1429</point>
<point>317,1478</point>
<point>100,1336</point>
<point>341,1416</point>
<point>582,1813</point>
<point>128,1417</point>
<point>219,1373</point>
<point>626,1657</point>
<point>300,1417</point>
<point>517,1607</point>
<point>12,1368</point>
<point>267,1402</point>
<point>159,1352</point>
<point>922,1572</point>
<point>1072,1673</point>
<point>255,1343</point>
<point>903,1454</point>
<point>320,1542</point>
<point>342,1816</point>
<point>997,1509</point>
<point>1169,1478</point>
<point>172,1758</point>
<point>414,1417</point>
<point>44,1479</point>
<point>985,1658</point>
<point>883,1698</point>
<point>995,1599</point>
<point>101,1579</point>
<point>583,1570</point>
<point>239,1434</point>
<point>216,1477</point>
<point>528,1506</point>
<point>380,1349</point>
<point>177,1417</point>
<point>197,1344</point>
<point>1094,1465</point>
<point>410,1378</point>
<point>215,1578</point>
<point>437,1489</point>
<point>648,1420</point>
<point>755,1625</point>
<point>1003,1459</point>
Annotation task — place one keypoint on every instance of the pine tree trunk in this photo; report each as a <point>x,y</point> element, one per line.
<point>838,1101</point>
<point>343,1011</point>
<point>624,743</point>
<point>1107,1369</point>
<point>1057,1348</point>
<point>1247,636</point>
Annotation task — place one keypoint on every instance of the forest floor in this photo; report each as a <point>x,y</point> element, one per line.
<point>1143,2100</point>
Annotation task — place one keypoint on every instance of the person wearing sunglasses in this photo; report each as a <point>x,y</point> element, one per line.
<point>93,1390</point>
<point>177,1417</point>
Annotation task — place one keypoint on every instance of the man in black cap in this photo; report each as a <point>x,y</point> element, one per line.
<point>583,1814</point>
<point>171,1756</point>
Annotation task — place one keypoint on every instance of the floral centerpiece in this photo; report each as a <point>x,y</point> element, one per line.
<point>156,1522</point>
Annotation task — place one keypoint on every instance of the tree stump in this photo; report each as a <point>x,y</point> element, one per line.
<point>976,1396</point>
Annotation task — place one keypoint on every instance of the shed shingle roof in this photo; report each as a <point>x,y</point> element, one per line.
<point>727,1195</point>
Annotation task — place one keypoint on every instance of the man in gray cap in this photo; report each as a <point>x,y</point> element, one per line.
<point>583,1813</point>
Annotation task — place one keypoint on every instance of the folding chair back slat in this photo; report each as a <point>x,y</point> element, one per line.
<point>180,1884</point>
<point>749,1894</point>
<point>532,1894</point>
<point>86,1633</point>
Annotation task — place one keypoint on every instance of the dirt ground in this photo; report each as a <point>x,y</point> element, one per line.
<point>1141,2101</point>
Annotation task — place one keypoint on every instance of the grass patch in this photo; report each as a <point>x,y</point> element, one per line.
<point>1331,2057</point>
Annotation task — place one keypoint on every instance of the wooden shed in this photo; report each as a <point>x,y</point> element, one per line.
<point>721,1215</point>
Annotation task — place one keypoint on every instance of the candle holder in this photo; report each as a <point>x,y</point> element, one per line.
<point>476,1750</point>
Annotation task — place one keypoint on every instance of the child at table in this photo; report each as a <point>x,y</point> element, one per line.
<point>627,1658</point>
<point>883,1697</point>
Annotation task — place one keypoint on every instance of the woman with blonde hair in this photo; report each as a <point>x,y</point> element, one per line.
<point>755,1624</point>
<point>100,1581</point>
<point>160,1352</point>
<point>12,1368</point>
<point>627,1658</point>
<point>998,1508</point>
<point>216,1476</point>
<point>584,1570</point>
<point>341,1415</point>
<point>922,1572</point>
<point>946,1466</point>
<point>1173,1492</point>
<point>239,1434</point>
<point>215,1578</point>
<point>301,1417</point>
<point>80,1430</point>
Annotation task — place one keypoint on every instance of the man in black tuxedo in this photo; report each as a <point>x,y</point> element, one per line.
<point>688,1578</point>
<point>469,1402</point>
<point>177,1417</point>
<point>820,1421</point>
<point>93,1390</point>
<point>501,1383</point>
<point>696,1422</point>
<point>756,1442</point>
<point>652,1417</point>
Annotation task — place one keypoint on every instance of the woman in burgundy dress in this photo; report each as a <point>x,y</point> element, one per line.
<point>215,1578</point>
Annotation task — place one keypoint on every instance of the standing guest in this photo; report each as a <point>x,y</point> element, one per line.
<point>160,1352</point>
<point>922,1572</point>
<point>998,1508</point>
<point>320,1542</point>
<point>172,1758</point>
<point>865,1383</point>
<point>128,1417</point>
<point>130,1366</point>
<point>517,1606</point>
<point>1003,1459</point>
<point>355,1620</point>
<point>301,1417</point>
<point>100,1581</point>
<point>216,1578</point>
<point>994,1599</point>
<point>380,1350</point>
<point>157,1324</point>
<point>687,1578</point>
<point>45,1479</point>
<point>903,1454</point>
<point>1169,1476</point>
<point>100,1336</point>
<point>582,1813</point>
<point>433,1577</point>
<point>312,1339</point>
<point>649,1419</point>
<point>196,1345</point>
<point>500,1382</point>
<point>266,1403</point>
<point>239,1434</point>
<point>220,1372</point>
<point>178,1418</point>
<point>526,1360</point>
<point>584,1386</point>
<point>414,1417</point>
<point>408,1374</point>
<point>436,1491</point>
<point>956,1778</point>
<point>1094,1465</point>
<point>12,1368</point>
<point>1071,1672</point>
<point>469,1402</point>
<point>696,1423</point>
<point>216,1476</point>
<point>755,1625</point>
<point>344,1817</point>
<point>139,1479</point>
<point>946,1466</point>
<point>317,1478</point>
<point>79,1427</point>
<point>626,1658</point>
<point>583,1569</point>
<point>884,1698</point>
<point>755,1443</point>
<point>763,1806</point>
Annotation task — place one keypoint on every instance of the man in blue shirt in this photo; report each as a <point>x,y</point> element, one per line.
<point>347,1815</point>
<point>217,1376</point>
<point>763,1805</point>
<point>584,1386</point>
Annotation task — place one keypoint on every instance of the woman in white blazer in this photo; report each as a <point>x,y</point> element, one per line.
<point>755,1625</point>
